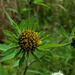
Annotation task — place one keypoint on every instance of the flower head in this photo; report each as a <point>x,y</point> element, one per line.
<point>58,73</point>
<point>28,40</point>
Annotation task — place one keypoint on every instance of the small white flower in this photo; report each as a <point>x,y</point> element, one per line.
<point>58,73</point>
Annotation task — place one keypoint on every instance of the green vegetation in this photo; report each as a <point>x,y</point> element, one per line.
<point>55,21</point>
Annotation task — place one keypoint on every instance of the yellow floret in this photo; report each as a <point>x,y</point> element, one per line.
<point>28,40</point>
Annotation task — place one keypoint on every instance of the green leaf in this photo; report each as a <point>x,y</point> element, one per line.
<point>8,57</point>
<point>45,51</point>
<point>36,58</point>
<point>35,25</point>
<point>40,33</point>
<point>31,23</point>
<point>16,63</point>
<point>43,43</point>
<point>14,10</point>
<point>1,70</point>
<point>45,37</point>
<point>13,40</point>
<point>53,45</point>
<point>10,34</point>
<point>16,28</point>
<point>17,53</point>
<point>73,30</point>
<point>44,5</point>
<point>27,56</point>
<point>9,51</point>
<point>11,21</point>
<point>63,32</point>
<point>57,56</point>
<point>22,24</point>
<point>48,41</point>
<point>4,47</point>
<point>25,27</point>
<point>35,1</point>
<point>6,41</point>
<point>33,71</point>
<point>22,60</point>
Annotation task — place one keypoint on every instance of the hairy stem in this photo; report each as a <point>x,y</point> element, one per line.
<point>26,68</point>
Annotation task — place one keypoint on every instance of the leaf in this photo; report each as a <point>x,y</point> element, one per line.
<point>27,56</point>
<point>33,71</point>
<point>48,41</point>
<point>16,63</point>
<point>35,25</point>
<point>4,47</point>
<point>31,23</point>
<point>17,53</point>
<point>10,34</point>
<point>45,37</point>
<point>36,58</point>
<point>45,51</point>
<point>22,24</point>
<point>63,32</point>
<point>11,21</point>
<point>68,58</point>
<point>53,45</point>
<point>8,57</point>
<point>13,40</point>
<point>16,28</point>
<point>14,10</point>
<point>1,70</point>
<point>22,60</point>
<point>9,51</point>
<point>43,43</point>
<point>6,41</point>
<point>44,5</point>
<point>38,1</point>
<point>40,33</point>
<point>57,56</point>
<point>25,27</point>
<point>73,30</point>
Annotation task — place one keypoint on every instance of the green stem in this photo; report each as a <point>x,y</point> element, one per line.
<point>28,16</point>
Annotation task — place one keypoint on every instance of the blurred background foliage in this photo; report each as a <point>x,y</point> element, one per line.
<point>50,17</point>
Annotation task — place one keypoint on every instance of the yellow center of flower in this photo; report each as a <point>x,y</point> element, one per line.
<point>28,40</point>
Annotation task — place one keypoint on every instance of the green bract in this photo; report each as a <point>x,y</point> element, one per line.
<point>26,41</point>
